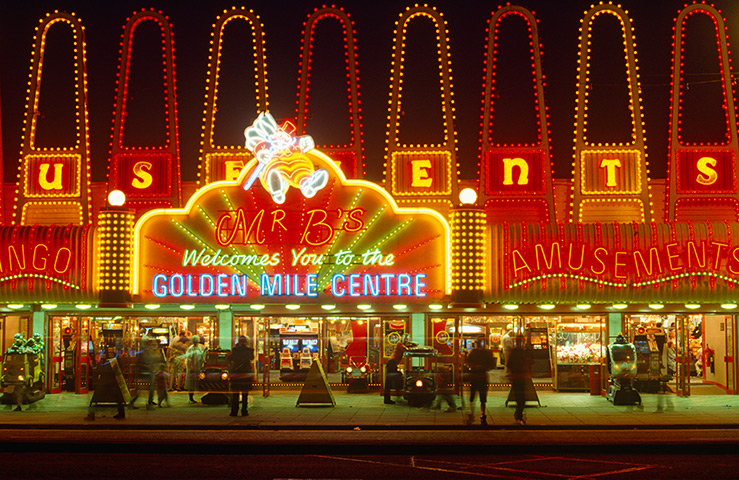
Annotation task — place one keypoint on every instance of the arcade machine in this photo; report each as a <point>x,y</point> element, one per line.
<point>298,347</point>
<point>649,342</point>
<point>622,369</point>
<point>69,357</point>
<point>538,340</point>
<point>162,335</point>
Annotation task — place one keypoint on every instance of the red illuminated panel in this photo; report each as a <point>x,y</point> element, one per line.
<point>52,176</point>
<point>707,209</point>
<point>421,173</point>
<point>515,171</point>
<point>347,162</point>
<point>225,165</point>
<point>706,171</point>
<point>611,172</point>
<point>532,210</point>
<point>142,174</point>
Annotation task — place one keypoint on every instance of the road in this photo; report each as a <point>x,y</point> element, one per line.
<point>326,454</point>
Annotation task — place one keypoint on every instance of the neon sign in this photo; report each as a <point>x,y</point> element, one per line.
<point>345,241</point>
<point>625,262</point>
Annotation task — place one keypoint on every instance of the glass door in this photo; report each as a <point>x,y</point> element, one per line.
<point>683,357</point>
<point>730,354</point>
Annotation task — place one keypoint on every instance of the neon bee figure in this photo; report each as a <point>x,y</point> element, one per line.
<point>281,160</point>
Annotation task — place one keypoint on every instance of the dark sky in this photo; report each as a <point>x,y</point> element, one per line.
<point>559,23</point>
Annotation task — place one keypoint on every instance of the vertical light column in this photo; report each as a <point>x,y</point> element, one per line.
<point>115,231</point>
<point>53,182</point>
<point>225,162</point>
<point>468,255</point>
<point>148,175</point>
<point>515,176</point>
<point>611,179</point>
<point>703,181</point>
<point>422,175</point>
<point>349,156</point>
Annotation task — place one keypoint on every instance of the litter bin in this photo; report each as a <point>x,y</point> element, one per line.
<point>594,379</point>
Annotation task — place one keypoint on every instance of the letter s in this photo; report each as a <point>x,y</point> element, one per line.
<point>143,177</point>
<point>708,175</point>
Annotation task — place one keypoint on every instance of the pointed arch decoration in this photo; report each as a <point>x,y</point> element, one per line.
<point>703,178</point>
<point>349,156</point>
<point>148,175</point>
<point>422,174</point>
<point>515,176</point>
<point>224,162</point>
<point>611,180</point>
<point>53,182</point>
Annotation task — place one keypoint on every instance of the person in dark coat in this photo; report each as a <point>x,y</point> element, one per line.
<point>479,361</point>
<point>519,371</point>
<point>393,377</point>
<point>240,375</point>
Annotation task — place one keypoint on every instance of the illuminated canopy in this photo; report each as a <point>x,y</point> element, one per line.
<point>234,243</point>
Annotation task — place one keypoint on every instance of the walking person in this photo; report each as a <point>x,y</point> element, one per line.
<point>194,357</point>
<point>479,361</point>
<point>177,359</point>
<point>109,385</point>
<point>148,362</point>
<point>162,381</point>
<point>240,373</point>
<point>393,377</point>
<point>518,369</point>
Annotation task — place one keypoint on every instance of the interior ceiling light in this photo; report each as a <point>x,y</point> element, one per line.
<point>152,306</point>
<point>728,306</point>
<point>692,306</point>
<point>656,306</point>
<point>510,306</point>
<point>546,306</point>
<point>619,306</point>
<point>187,306</point>
<point>583,306</point>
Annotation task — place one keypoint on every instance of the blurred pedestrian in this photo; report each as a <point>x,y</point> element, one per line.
<point>518,369</point>
<point>194,357</point>
<point>177,359</point>
<point>162,382</point>
<point>444,384</point>
<point>393,377</point>
<point>479,361</point>
<point>148,362</point>
<point>240,373</point>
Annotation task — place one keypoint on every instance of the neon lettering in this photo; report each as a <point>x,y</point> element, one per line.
<point>610,164</point>
<point>523,165</point>
<point>420,173</point>
<point>142,174</point>
<point>56,182</point>
<point>708,175</point>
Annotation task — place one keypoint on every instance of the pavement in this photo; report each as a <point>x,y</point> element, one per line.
<point>278,410</point>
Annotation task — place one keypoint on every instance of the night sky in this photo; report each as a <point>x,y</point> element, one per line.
<point>559,23</point>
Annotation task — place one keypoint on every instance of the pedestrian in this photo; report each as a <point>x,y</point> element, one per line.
<point>240,373</point>
<point>444,383</point>
<point>506,345</point>
<point>162,382</point>
<point>148,363</point>
<point>177,359</point>
<point>393,377</point>
<point>670,358</point>
<point>479,362</point>
<point>194,357</point>
<point>518,369</point>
